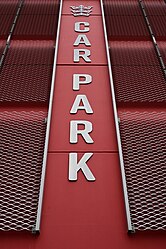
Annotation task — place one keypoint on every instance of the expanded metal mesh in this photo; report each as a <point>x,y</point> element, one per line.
<point>22,137</point>
<point>127,53</point>
<point>36,27</point>
<point>8,7</point>
<point>124,20</point>
<point>25,79</point>
<point>139,85</point>
<point>37,20</point>
<point>28,84</point>
<point>8,10</point>
<point>155,8</point>
<point>156,11</point>
<point>40,7</point>
<point>30,52</point>
<point>137,74</point>
<point>126,27</point>
<point>143,140</point>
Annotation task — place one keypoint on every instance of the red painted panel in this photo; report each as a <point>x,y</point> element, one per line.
<point>95,10</point>
<point>99,96</point>
<point>68,37</point>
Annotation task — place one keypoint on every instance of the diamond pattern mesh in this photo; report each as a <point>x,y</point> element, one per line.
<point>26,74</point>
<point>126,27</point>
<point>122,7</point>
<point>40,7</point>
<point>25,84</point>
<point>136,53</point>
<point>8,10</point>
<point>155,8</point>
<point>143,140</point>
<point>8,7</point>
<point>25,79</point>
<point>140,86</point>
<point>22,137</point>
<point>124,20</point>
<point>30,52</point>
<point>36,27</point>
<point>156,11</point>
<point>37,20</point>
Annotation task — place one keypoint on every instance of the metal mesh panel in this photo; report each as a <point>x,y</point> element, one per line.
<point>8,7</point>
<point>157,7</point>
<point>133,53</point>
<point>125,21</point>
<point>126,27</point>
<point>8,10</point>
<point>122,7</point>
<point>44,7</point>
<point>139,85</point>
<point>139,82</point>
<point>25,84</point>
<point>21,152</point>
<point>36,27</point>
<point>23,52</point>
<point>158,25</point>
<point>37,20</point>
<point>143,140</point>
<point>25,79</point>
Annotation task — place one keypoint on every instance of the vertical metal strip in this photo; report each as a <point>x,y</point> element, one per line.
<point>130,227</point>
<point>38,220</point>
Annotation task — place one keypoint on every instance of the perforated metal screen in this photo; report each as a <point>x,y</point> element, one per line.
<point>37,20</point>
<point>140,89</point>
<point>25,80</point>
<point>124,20</point>
<point>22,136</point>
<point>143,140</point>
<point>28,84</point>
<point>139,85</point>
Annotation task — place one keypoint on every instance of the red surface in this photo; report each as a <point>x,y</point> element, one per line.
<point>68,37</point>
<point>83,215</point>
<point>98,94</point>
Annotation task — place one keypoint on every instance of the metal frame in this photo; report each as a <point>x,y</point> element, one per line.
<point>129,223</point>
<point>10,33</point>
<point>36,228</point>
<point>141,4</point>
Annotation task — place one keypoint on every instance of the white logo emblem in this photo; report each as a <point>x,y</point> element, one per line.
<point>81,10</point>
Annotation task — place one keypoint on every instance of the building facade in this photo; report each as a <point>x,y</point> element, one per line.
<point>82,124</point>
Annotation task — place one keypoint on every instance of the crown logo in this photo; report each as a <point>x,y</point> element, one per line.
<point>81,10</point>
